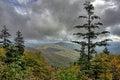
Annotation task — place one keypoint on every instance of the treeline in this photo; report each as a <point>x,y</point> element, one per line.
<point>18,64</point>
<point>13,63</point>
<point>103,67</point>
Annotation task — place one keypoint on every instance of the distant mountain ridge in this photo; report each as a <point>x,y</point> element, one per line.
<point>114,47</point>
<point>58,54</point>
<point>63,53</point>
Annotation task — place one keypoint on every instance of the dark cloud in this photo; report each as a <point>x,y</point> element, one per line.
<point>9,17</point>
<point>116,31</point>
<point>53,18</point>
<point>109,11</point>
<point>49,18</point>
<point>111,15</point>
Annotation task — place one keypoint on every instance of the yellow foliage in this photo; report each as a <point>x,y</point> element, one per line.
<point>37,66</point>
<point>2,52</point>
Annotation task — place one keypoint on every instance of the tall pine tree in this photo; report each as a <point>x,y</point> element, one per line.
<point>5,37</point>
<point>90,33</point>
<point>19,42</point>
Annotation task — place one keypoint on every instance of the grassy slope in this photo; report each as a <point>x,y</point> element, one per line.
<point>57,55</point>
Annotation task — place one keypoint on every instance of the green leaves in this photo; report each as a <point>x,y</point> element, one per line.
<point>70,73</point>
<point>14,64</point>
<point>37,66</point>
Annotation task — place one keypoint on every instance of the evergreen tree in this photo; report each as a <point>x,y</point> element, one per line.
<point>83,57</point>
<point>90,33</point>
<point>11,54</point>
<point>106,51</point>
<point>5,35</point>
<point>19,42</point>
<point>15,65</point>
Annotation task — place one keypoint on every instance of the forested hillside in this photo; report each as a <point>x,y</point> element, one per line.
<point>37,68</point>
<point>86,54</point>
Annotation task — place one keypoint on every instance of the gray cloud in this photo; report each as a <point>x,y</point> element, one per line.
<point>9,17</point>
<point>53,18</point>
<point>111,17</point>
<point>49,18</point>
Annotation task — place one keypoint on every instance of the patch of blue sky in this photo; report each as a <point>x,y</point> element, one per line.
<point>14,3</point>
<point>21,8</point>
<point>32,1</point>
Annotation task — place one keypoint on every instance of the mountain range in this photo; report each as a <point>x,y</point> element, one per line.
<point>63,53</point>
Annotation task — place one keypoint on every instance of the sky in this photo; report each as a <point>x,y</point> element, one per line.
<point>53,20</point>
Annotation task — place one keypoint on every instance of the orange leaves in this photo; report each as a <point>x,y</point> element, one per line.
<point>115,63</point>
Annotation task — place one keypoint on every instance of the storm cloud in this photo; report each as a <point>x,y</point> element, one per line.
<point>110,14</point>
<point>54,19</point>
